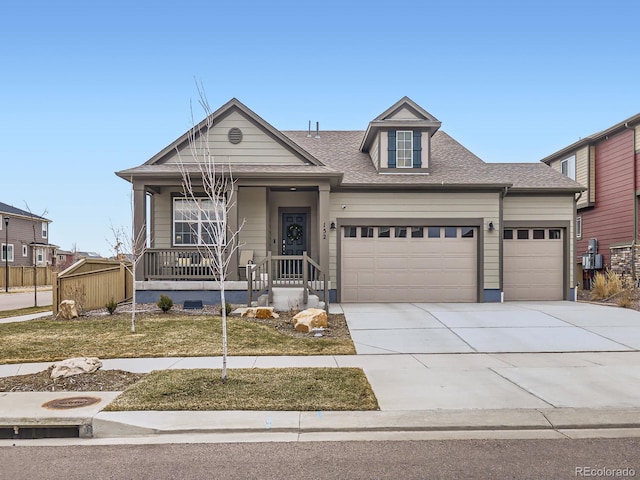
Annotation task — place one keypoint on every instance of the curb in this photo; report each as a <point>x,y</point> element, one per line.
<point>125,424</point>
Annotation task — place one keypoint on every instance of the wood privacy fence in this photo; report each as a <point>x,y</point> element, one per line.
<point>23,276</point>
<point>92,284</point>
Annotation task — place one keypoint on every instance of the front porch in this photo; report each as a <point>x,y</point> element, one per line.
<point>292,281</point>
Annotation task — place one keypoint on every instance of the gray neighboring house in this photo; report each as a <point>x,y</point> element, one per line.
<point>28,238</point>
<point>398,212</point>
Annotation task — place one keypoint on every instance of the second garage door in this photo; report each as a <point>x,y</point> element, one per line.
<point>533,264</point>
<point>409,264</point>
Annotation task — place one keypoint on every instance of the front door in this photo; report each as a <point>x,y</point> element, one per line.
<point>294,233</point>
<point>294,242</point>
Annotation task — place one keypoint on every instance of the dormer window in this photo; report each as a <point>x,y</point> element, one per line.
<point>404,149</point>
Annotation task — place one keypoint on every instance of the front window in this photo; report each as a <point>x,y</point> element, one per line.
<point>579,227</point>
<point>40,256</point>
<point>45,229</point>
<point>404,149</point>
<point>7,250</point>
<point>197,222</point>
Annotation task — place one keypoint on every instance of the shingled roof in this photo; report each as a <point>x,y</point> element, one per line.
<point>11,210</point>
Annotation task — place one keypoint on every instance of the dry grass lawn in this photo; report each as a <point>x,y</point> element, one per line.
<point>278,389</point>
<point>157,335</point>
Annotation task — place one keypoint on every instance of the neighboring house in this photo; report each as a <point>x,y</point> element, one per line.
<point>400,212</point>
<point>607,163</point>
<point>28,238</point>
<point>66,258</point>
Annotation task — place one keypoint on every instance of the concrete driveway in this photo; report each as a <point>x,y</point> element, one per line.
<point>513,327</point>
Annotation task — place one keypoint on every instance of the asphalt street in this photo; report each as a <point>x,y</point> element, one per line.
<point>468,459</point>
<point>25,298</point>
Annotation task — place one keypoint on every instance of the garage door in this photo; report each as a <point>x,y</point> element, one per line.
<point>533,264</point>
<point>409,264</point>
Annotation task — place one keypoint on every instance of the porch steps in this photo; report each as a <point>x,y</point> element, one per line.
<point>290,298</point>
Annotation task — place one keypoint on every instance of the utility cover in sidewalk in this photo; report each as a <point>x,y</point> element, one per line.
<point>70,402</point>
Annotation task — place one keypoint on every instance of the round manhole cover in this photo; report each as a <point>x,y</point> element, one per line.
<point>70,402</point>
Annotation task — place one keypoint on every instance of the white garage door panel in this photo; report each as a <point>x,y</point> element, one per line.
<point>409,269</point>
<point>533,269</point>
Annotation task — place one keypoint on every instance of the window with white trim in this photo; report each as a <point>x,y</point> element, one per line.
<point>1,222</point>
<point>40,256</point>
<point>7,250</point>
<point>25,250</point>
<point>578,227</point>
<point>568,167</point>
<point>45,229</point>
<point>197,222</point>
<point>404,149</point>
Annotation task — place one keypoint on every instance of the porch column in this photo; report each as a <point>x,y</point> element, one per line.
<point>324,224</point>
<point>139,239</point>
<point>232,225</point>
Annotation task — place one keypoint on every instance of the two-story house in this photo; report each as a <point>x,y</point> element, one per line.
<point>607,164</point>
<point>24,237</point>
<point>398,212</point>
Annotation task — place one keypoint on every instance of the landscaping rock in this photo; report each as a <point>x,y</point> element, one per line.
<point>309,319</point>
<point>67,310</point>
<point>260,312</point>
<point>75,366</point>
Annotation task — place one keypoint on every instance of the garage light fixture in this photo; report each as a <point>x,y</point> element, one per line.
<point>491,227</point>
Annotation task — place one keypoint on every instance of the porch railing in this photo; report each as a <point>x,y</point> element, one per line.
<point>286,271</point>
<point>183,264</point>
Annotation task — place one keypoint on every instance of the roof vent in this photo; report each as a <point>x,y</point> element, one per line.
<point>317,129</point>
<point>235,135</point>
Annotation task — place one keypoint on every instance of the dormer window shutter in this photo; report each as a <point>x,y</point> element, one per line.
<point>391,163</point>
<point>417,149</point>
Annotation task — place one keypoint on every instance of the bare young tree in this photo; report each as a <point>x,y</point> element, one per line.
<point>136,244</point>
<point>208,189</point>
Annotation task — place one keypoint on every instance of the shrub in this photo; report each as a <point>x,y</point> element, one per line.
<point>628,296</point>
<point>111,306</point>
<point>165,303</point>
<point>605,285</point>
<point>228,308</point>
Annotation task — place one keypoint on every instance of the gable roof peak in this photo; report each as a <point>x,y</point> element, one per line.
<point>405,113</point>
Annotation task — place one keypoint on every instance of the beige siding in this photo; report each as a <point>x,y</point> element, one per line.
<point>374,152</point>
<point>556,165</point>
<point>523,208</point>
<point>161,237</point>
<point>256,146</point>
<point>384,149</point>
<point>252,208</point>
<point>404,114</point>
<point>582,174</point>
<point>423,205</point>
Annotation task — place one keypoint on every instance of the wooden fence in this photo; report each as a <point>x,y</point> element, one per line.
<point>23,276</point>
<point>92,284</point>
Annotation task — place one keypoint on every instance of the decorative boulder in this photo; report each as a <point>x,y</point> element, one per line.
<point>260,312</point>
<point>67,310</point>
<point>75,366</point>
<point>309,319</point>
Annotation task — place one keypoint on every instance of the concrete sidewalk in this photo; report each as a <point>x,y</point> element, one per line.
<point>546,393</point>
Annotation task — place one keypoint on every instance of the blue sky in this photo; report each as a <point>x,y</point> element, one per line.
<point>89,88</point>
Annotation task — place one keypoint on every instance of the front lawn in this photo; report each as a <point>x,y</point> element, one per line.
<point>157,335</point>
<point>277,389</point>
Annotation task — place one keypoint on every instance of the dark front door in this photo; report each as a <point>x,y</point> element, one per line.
<point>294,233</point>
<point>294,242</point>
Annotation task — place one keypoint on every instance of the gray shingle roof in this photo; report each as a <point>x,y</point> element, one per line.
<point>11,210</point>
